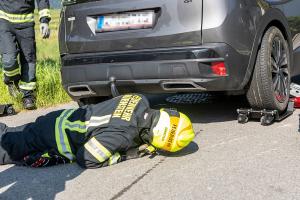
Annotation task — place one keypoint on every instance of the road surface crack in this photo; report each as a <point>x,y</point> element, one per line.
<point>138,179</point>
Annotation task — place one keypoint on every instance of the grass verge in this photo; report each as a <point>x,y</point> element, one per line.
<point>49,92</point>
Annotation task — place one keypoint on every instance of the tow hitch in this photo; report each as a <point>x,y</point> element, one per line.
<point>113,87</point>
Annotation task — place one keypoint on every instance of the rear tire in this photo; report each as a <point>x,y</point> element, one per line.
<point>269,87</point>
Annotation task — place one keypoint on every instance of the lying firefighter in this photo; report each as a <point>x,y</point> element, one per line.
<point>97,135</point>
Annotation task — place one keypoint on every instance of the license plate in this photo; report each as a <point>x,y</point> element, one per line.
<point>125,21</point>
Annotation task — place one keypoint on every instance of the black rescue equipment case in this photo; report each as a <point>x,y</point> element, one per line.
<point>7,109</point>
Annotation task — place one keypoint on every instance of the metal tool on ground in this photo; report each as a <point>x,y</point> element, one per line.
<point>267,117</point>
<point>294,90</point>
<point>7,109</point>
<point>295,94</point>
<point>296,101</point>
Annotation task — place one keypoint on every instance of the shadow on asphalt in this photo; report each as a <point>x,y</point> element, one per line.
<point>219,108</point>
<point>190,149</point>
<point>29,183</point>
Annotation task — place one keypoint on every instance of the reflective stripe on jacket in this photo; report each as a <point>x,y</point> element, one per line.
<point>17,18</point>
<point>21,11</point>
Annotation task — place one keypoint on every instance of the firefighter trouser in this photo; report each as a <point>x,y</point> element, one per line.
<point>18,39</point>
<point>21,141</point>
<point>12,140</point>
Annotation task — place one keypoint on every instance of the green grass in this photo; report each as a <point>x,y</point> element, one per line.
<point>50,91</point>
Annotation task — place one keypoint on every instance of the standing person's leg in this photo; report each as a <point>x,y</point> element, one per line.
<point>26,40</point>
<point>9,52</point>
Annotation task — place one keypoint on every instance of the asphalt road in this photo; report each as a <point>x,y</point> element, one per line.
<point>226,161</point>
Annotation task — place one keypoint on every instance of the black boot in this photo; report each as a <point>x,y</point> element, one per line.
<point>29,103</point>
<point>29,99</point>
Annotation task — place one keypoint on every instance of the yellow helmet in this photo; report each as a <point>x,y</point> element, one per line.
<point>171,131</point>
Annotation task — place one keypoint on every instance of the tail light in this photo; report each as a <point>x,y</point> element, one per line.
<point>218,68</point>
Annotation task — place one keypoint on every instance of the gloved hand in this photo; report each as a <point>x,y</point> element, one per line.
<point>39,160</point>
<point>45,30</point>
<point>139,152</point>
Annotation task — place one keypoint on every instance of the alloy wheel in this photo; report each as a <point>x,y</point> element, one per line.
<point>280,72</point>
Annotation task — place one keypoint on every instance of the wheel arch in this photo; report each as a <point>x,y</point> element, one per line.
<point>273,17</point>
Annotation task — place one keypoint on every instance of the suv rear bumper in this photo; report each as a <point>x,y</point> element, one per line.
<point>153,71</point>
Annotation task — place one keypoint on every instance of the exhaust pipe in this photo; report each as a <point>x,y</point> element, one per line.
<point>80,90</point>
<point>181,86</point>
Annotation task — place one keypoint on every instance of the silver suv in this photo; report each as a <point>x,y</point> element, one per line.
<point>249,47</point>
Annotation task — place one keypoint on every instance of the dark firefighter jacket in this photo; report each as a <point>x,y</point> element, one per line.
<point>21,11</point>
<point>93,136</point>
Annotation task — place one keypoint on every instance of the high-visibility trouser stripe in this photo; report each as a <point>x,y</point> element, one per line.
<point>61,137</point>
<point>98,121</point>
<point>27,86</point>
<point>17,18</point>
<point>77,126</point>
<point>13,72</point>
<point>114,159</point>
<point>97,150</point>
<point>44,13</point>
<point>46,155</point>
